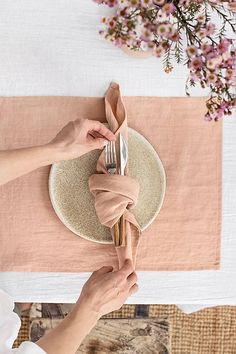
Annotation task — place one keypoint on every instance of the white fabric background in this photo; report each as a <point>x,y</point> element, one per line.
<point>53,48</point>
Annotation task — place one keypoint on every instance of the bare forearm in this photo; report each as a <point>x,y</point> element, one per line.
<point>15,163</point>
<point>75,139</point>
<point>67,337</point>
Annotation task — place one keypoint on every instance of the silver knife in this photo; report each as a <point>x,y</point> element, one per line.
<point>123,163</point>
<point>123,155</point>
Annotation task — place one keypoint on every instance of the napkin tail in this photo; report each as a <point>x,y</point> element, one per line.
<point>131,248</point>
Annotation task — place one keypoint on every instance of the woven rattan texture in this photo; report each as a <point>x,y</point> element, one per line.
<point>209,331</point>
<point>23,334</point>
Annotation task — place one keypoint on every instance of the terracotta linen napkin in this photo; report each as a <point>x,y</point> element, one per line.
<point>116,194</point>
<point>186,233</point>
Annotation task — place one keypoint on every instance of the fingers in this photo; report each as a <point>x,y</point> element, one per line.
<point>95,134</point>
<point>133,289</point>
<point>126,278</point>
<point>100,128</point>
<point>132,279</point>
<point>104,270</point>
<point>127,268</point>
<point>98,143</point>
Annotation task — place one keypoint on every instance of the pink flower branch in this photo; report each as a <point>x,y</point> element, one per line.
<point>159,26</point>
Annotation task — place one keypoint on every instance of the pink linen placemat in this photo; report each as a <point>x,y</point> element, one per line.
<point>186,233</point>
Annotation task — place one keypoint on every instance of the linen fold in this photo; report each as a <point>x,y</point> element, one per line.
<point>115,195</point>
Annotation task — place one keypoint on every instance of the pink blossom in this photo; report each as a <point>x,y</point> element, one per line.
<point>206,48</point>
<point>146,35</point>
<point>119,42</point>
<point>185,2</point>
<point>163,29</point>
<point>230,73</point>
<point>201,18</point>
<point>133,3</point>
<point>211,78</point>
<point>161,17</point>
<point>168,8</point>
<point>212,63</point>
<point>226,56</point>
<point>224,45</point>
<point>146,3</point>
<point>195,75</point>
<point>210,55</point>
<point>196,63</point>
<point>159,2</point>
<point>210,28</point>
<point>202,33</point>
<point>219,114</point>
<point>208,117</point>
<point>110,3</point>
<point>175,36</point>
<point>159,51</point>
<point>230,77</point>
<point>192,51</point>
<point>147,46</point>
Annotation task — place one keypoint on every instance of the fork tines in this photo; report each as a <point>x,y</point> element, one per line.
<point>110,157</point>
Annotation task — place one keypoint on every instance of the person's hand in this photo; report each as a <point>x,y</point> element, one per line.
<point>107,290</point>
<point>79,137</point>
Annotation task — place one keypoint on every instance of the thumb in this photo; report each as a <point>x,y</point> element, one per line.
<point>99,143</point>
<point>104,270</point>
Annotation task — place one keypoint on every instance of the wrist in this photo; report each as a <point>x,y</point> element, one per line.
<point>83,308</point>
<point>41,155</point>
<point>53,153</point>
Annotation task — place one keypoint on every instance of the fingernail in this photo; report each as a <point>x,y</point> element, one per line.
<point>105,142</point>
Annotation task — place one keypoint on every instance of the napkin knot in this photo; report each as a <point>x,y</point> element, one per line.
<point>114,195</point>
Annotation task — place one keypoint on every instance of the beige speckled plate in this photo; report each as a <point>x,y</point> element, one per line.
<point>74,204</point>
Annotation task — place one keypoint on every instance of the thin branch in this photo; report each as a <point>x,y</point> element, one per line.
<point>224,16</point>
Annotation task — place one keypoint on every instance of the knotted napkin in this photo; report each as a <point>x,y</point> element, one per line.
<point>115,195</point>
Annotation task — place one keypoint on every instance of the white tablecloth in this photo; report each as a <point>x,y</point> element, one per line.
<point>53,48</point>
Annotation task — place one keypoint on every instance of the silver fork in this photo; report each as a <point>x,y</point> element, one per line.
<point>110,157</point>
<point>111,166</point>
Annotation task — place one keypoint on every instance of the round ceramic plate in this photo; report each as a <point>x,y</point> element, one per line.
<point>74,204</point>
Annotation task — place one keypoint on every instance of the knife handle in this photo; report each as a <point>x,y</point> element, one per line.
<point>122,234</point>
<point>116,231</point>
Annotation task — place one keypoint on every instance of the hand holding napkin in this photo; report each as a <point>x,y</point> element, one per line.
<point>116,194</point>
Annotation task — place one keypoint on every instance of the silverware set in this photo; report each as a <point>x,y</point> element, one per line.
<point>112,168</point>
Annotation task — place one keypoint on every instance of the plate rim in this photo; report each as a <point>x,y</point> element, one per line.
<point>163,175</point>
<point>162,170</point>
